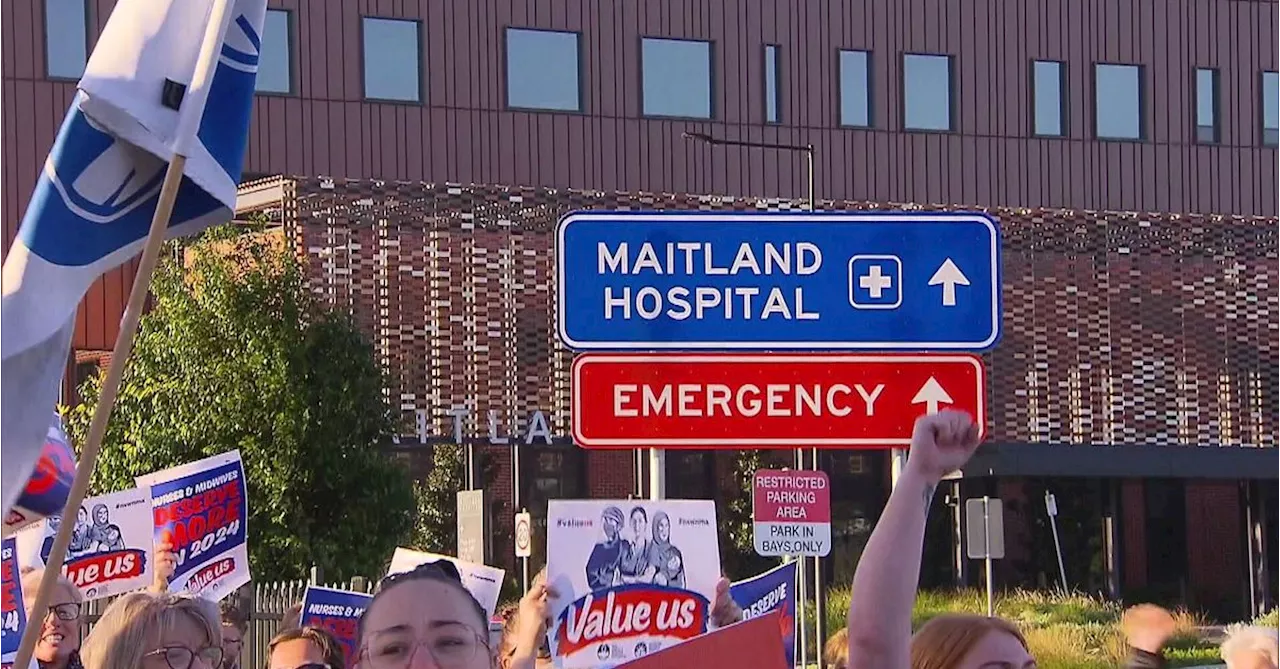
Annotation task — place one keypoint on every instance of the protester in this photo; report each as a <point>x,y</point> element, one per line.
<point>426,618</point>
<point>1251,647</point>
<point>144,630</point>
<point>884,584</point>
<point>1146,628</point>
<point>524,629</point>
<point>292,618</point>
<point>235,624</point>
<point>58,646</point>
<point>836,652</point>
<point>304,648</point>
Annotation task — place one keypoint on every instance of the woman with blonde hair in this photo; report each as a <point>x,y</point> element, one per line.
<point>58,645</point>
<point>143,630</point>
<point>1251,647</point>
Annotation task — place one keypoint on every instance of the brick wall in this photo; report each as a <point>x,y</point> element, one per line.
<point>1216,563</point>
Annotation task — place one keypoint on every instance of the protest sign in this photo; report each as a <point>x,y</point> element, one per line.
<point>12,609</point>
<point>753,643</point>
<point>631,582</point>
<point>771,591</point>
<point>482,581</point>
<point>110,549</point>
<point>338,612</point>
<point>201,510</point>
<point>47,490</point>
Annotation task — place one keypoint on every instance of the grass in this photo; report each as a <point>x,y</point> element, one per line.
<point>1064,631</point>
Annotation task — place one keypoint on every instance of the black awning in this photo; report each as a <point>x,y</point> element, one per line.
<point>1093,460</point>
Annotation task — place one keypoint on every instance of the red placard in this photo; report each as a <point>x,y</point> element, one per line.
<point>767,400</point>
<point>755,643</point>
<point>786,496</point>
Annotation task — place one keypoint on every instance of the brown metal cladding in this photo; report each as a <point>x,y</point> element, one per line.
<point>464,134</point>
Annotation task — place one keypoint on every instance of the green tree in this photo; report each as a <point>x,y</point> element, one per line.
<point>737,533</point>
<point>435,526</point>
<point>237,353</point>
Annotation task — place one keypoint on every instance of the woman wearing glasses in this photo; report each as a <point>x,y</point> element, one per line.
<point>304,647</point>
<point>424,619</point>
<point>59,643</point>
<point>143,630</point>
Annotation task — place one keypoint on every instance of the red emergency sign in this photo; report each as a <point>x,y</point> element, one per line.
<point>767,400</point>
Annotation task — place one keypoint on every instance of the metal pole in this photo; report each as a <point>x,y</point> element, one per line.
<point>986,540</point>
<point>524,573</point>
<point>1051,505</point>
<point>657,474</point>
<point>819,596</point>
<point>802,575</point>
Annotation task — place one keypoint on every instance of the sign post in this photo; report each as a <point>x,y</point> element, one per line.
<point>1051,506</point>
<point>985,532</point>
<point>524,545</point>
<point>473,526</point>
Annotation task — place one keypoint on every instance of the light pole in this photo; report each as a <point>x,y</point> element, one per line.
<point>818,595</point>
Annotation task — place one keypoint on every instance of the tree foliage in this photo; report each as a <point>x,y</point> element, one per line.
<point>236,353</point>
<point>435,526</point>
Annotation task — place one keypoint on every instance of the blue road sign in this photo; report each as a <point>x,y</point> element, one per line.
<point>773,281</point>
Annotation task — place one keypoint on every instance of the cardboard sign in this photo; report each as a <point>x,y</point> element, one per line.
<point>631,576</point>
<point>754,643</point>
<point>110,549</point>
<point>771,592</point>
<point>201,509</point>
<point>13,611</point>
<point>482,581</point>
<point>338,612</point>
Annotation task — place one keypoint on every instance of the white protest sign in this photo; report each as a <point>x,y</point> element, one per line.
<point>482,581</point>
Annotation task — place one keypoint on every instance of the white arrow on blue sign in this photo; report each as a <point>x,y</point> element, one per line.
<point>768,281</point>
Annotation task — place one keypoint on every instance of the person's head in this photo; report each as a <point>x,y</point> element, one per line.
<point>507,644</point>
<point>142,630</point>
<point>292,618</point>
<point>424,619</point>
<point>959,641</point>
<point>60,629</point>
<point>82,516</point>
<point>1251,647</point>
<point>100,515</point>
<point>836,652</point>
<point>612,522</point>
<point>233,624</point>
<point>305,648</point>
<point>639,521</point>
<point>661,527</point>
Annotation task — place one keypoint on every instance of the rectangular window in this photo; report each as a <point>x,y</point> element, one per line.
<point>275,64</point>
<point>542,70</point>
<point>926,88</point>
<point>66,38</point>
<point>1270,108</point>
<point>676,76</point>
<point>1048,98</point>
<point>855,89</point>
<point>1206,106</point>
<point>392,58</point>
<point>772,92</point>
<point>1117,99</point>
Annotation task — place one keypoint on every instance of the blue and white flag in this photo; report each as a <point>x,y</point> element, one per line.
<point>100,185</point>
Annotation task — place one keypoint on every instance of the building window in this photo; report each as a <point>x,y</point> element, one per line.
<point>772,91</point>
<point>1117,93</point>
<point>1048,98</point>
<point>275,64</point>
<point>66,38</point>
<point>392,58</point>
<point>926,89</point>
<point>691,474</point>
<point>676,77</point>
<point>543,70</point>
<point>855,89</point>
<point>1206,106</point>
<point>1270,108</point>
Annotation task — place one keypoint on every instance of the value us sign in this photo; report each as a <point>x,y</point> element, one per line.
<point>791,513</point>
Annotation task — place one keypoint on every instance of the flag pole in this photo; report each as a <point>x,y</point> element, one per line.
<point>188,123</point>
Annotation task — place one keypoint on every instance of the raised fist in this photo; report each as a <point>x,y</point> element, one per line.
<point>942,443</point>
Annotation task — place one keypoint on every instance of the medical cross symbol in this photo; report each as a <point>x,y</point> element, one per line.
<point>874,282</point>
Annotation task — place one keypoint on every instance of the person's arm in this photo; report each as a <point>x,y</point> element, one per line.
<point>884,584</point>
<point>165,564</point>
<point>724,611</point>
<point>531,625</point>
